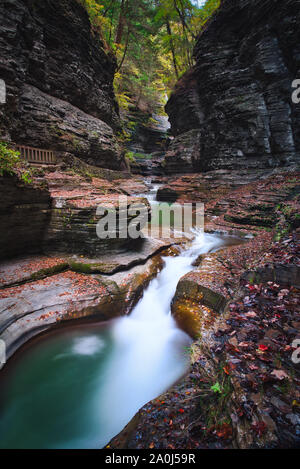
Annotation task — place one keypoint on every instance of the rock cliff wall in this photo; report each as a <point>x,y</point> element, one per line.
<point>25,215</point>
<point>239,94</point>
<point>59,81</point>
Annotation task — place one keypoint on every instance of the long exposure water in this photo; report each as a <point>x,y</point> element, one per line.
<point>79,386</point>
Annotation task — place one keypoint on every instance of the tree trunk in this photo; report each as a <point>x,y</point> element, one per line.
<point>125,50</point>
<point>169,31</point>
<point>122,21</point>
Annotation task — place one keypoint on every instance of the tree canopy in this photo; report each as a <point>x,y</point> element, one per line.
<point>153,41</point>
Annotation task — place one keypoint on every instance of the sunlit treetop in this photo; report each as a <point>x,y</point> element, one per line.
<point>153,41</point>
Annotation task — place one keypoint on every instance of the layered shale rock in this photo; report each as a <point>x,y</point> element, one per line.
<point>238,97</point>
<point>148,132</point>
<point>31,308</point>
<point>200,296</point>
<point>148,140</point>
<point>25,214</point>
<point>183,153</point>
<point>57,212</point>
<point>59,81</point>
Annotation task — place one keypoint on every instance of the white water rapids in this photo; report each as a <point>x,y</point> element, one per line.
<point>78,387</point>
<point>149,347</point>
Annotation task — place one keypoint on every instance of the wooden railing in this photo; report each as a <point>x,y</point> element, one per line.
<point>36,155</point>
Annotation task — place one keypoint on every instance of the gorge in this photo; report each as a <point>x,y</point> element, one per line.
<point>159,342</point>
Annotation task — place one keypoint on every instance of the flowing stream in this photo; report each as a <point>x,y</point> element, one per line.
<point>77,387</point>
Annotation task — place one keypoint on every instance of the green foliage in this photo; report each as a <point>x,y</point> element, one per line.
<point>216,388</point>
<point>9,160</point>
<point>26,177</point>
<point>11,164</point>
<point>130,156</point>
<point>213,400</point>
<point>153,42</point>
<point>49,271</point>
<point>95,11</point>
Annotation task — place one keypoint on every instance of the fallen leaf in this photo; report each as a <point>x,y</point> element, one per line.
<point>280,374</point>
<point>262,348</point>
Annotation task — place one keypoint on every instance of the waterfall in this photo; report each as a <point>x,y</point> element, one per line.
<point>149,353</point>
<point>79,386</point>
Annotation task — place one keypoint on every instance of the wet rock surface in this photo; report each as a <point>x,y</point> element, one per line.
<point>57,125</point>
<point>241,307</point>
<point>151,164</point>
<point>49,290</point>
<point>57,211</point>
<point>239,201</point>
<point>200,296</point>
<point>242,390</point>
<point>166,194</point>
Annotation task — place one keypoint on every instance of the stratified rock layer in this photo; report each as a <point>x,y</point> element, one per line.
<point>30,308</point>
<point>57,211</point>
<point>25,214</point>
<point>239,94</point>
<point>59,81</point>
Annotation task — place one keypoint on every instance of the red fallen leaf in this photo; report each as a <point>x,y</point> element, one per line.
<point>181,411</point>
<point>225,431</point>
<point>259,428</point>
<point>263,348</point>
<point>226,369</point>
